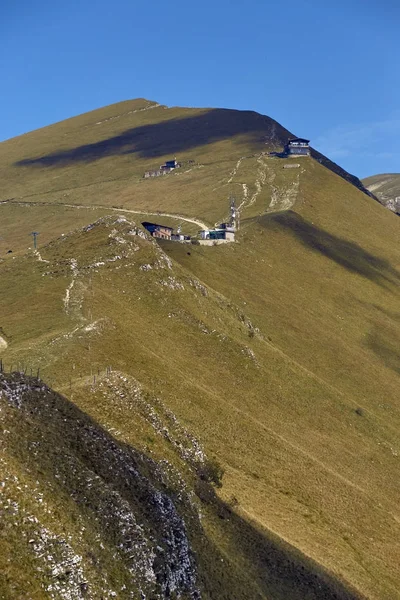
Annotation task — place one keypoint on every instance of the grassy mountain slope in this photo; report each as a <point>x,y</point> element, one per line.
<point>386,187</point>
<point>279,354</point>
<point>99,158</point>
<point>139,287</point>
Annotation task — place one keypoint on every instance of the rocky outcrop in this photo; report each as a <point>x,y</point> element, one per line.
<point>123,497</point>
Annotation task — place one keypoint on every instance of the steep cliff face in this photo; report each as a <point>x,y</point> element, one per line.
<point>86,516</point>
<point>128,538</point>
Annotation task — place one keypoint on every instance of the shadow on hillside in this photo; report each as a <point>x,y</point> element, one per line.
<point>109,480</point>
<point>348,254</point>
<point>170,137</point>
<point>386,345</point>
<point>391,314</point>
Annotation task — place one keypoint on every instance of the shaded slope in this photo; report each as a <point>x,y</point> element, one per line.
<point>123,508</point>
<point>100,158</point>
<point>119,143</point>
<point>170,136</point>
<point>101,519</point>
<point>345,253</point>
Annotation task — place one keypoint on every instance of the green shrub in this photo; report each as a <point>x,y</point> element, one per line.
<point>211,472</point>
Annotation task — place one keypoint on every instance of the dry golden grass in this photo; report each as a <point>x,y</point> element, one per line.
<point>280,352</point>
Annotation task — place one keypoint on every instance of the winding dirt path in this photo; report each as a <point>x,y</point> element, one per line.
<point>235,169</point>
<point>112,209</point>
<point>284,199</point>
<point>259,183</point>
<point>158,214</point>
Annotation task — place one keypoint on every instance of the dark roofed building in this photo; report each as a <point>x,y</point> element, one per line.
<point>167,167</point>
<point>297,147</point>
<point>171,164</point>
<point>158,231</point>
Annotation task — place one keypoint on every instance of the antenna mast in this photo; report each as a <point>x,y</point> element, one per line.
<point>35,234</point>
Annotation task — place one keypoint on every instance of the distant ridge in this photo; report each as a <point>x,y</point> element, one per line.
<point>386,187</point>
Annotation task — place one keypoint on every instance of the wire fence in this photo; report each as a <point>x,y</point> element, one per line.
<point>36,372</point>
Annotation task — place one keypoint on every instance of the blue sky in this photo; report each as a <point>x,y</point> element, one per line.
<point>327,71</point>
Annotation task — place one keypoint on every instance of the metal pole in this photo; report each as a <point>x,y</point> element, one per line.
<point>35,234</point>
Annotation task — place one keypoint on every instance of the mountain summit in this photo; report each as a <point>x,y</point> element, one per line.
<point>116,145</point>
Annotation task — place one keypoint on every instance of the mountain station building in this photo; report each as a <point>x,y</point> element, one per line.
<point>297,147</point>
<point>170,165</point>
<point>158,231</point>
<point>167,167</point>
<point>224,232</point>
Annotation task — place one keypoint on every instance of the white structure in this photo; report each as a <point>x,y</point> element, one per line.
<point>224,232</point>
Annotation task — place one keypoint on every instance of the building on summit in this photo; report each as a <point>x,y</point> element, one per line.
<point>297,147</point>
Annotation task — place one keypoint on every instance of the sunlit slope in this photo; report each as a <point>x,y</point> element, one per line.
<point>183,360</point>
<point>18,221</point>
<point>322,284</point>
<point>99,158</point>
<point>103,154</point>
<point>278,353</point>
